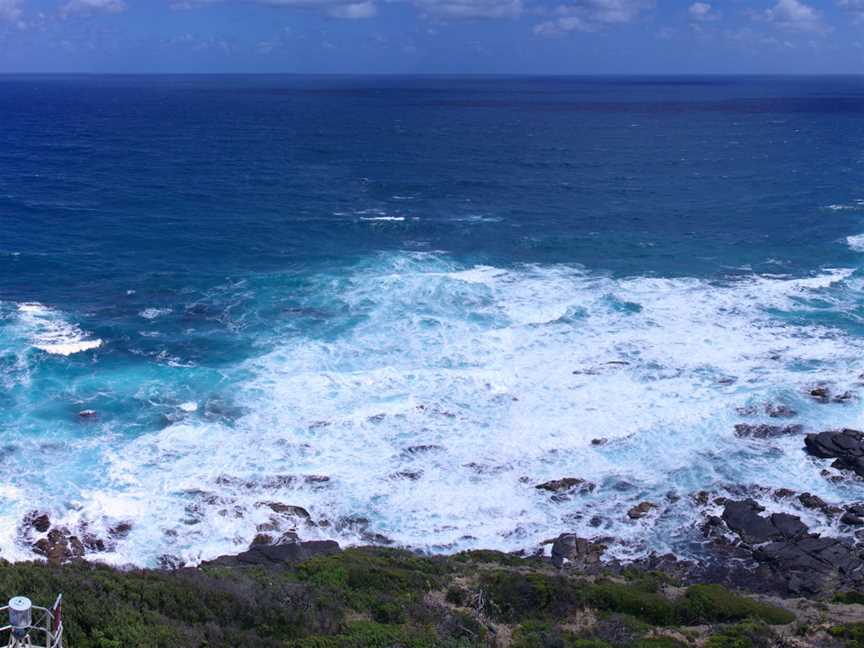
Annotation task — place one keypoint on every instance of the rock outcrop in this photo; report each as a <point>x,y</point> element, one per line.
<point>277,555</point>
<point>845,446</point>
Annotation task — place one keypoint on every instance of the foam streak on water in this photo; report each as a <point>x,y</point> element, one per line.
<point>51,333</point>
<point>456,389</point>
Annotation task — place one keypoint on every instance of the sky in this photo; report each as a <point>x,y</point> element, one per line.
<point>433,36</point>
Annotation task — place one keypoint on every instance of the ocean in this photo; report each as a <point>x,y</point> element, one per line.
<point>402,303</point>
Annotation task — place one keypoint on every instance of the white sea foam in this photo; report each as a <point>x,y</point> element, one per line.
<point>383,218</point>
<point>153,313</point>
<point>856,242</point>
<point>458,389</point>
<point>856,205</point>
<point>51,333</point>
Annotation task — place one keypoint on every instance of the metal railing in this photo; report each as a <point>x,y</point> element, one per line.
<point>46,630</point>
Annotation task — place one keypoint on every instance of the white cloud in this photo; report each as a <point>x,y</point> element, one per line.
<point>856,7</point>
<point>468,9</point>
<point>592,15</point>
<point>702,12</point>
<point>795,16</point>
<point>354,11</point>
<point>92,6</point>
<point>10,10</point>
<point>198,43</point>
<point>335,8</point>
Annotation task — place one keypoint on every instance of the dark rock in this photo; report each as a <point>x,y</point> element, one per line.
<point>169,562</point>
<point>641,510</point>
<point>92,542</point>
<point>411,475</point>
<point>817,503</point>
<point>599,442</point>
<point>57,548</point>
<point>851,519</point>
<point>743,518</point>
<point>423,449</point>
<point>41,523</point>
<point>845,397</point>
<point>713,527</point>
<point>810,563</point>
<point>287,509</point>
<point>845,446</point>
<point>277,555</point>
<point>262,539</point>
<point>289,537</point>
<point>580,552</point>
<point>120,531</point>
<point>701,498</point>
<point>485,469</point>
<point>766,431</point>
<point>76,547</point>
<point>792,560</point>
<point>779,411</point>
<point>821,394</point>
<point>360,525</point>
<point>566,484</point>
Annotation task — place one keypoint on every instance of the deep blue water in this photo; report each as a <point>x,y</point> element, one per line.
<point>251,278</point>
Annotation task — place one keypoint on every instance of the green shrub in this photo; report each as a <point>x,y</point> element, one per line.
<point>366,574</point>
<point>659,642</point>
<point>633,600</point>
<point>493,557</point>
<point>849,597</point>
<point>851,633</point>
<point>366,634</point>
<point>706,603</point>
<point>747,634</point>
<point>514,596</point>
<point>388,612</point>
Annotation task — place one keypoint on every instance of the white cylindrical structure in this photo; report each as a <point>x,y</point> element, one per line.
<point>20,615</point>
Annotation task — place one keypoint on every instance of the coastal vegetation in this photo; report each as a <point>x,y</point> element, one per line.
<point>388,598</point>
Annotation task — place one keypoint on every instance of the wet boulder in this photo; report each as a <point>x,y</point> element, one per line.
<point>845,446</point>
<point>120,531</point>
<point>39,522</point>
<point>762,431</point>
<point>820,394</point>
<point>277,555</point>
<point>779,411</point>
<point>792,560</point>
<point>641,510</point>
<point>581,553</point>
<point>743,518</point>
<point>816,503</point>
<point>806,565</point>
<point>287,510</point>
<point>566,485</point>
<point>58,547</point>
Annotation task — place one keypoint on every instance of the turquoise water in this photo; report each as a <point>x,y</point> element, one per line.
<point>256,282</point>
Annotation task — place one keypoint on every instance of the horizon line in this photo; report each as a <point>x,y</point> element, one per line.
<point>449,74</point>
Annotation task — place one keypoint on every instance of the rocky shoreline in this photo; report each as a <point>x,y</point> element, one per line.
<point>736,540</point>
<point>740,543</point>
